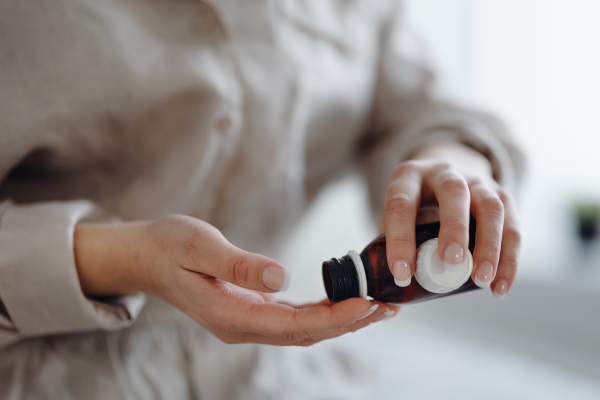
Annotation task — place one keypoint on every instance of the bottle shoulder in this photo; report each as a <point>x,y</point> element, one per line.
<point>377,242</point>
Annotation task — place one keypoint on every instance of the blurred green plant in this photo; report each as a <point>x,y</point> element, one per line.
<point>588,214</point>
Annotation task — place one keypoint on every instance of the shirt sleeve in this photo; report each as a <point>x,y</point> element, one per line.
<point>40,292</point>
<point>409,112</point>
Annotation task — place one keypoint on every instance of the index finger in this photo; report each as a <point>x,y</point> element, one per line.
<point>399,217</point>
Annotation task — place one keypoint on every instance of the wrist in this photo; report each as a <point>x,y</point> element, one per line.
<point>459,155</point>
<point>108,258</point>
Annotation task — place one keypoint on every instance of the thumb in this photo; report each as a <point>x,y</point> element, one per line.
<point>217,257</point>
<point>254,271</point>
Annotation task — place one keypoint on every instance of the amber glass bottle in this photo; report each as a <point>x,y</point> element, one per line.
<point>368,274</point>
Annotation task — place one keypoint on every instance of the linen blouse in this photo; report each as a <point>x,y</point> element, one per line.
<point>234,112</point>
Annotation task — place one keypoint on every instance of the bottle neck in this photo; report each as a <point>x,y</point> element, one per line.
<point>345,277</point>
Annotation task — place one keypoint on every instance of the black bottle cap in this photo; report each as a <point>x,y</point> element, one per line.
<point>341,279</point>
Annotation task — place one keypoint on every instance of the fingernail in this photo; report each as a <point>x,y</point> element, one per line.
<point>401,273</point>
<point>500,289</point>
<point>483,275</point>
<point>276,278</point>
<point>453,256</point>
<point>385,316</point>
<point>368,312</point>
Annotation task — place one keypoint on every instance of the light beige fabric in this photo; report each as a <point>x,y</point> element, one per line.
<point>235,112</point>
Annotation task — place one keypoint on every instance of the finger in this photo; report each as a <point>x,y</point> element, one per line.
<point>511,248</point>
<point>265,296</point>
<point>399,215</point>
<point>453,196</point>
<point>309,340</point>
<point>234,332</point>
<point>391,311</point>
<point>381,314</point>
<point>279,321</point>
<point>211,254</point>
<point>489,214</point>
<point>324,302</point>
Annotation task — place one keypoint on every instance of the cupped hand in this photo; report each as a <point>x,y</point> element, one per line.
<point>458,180</point>
<point>188,263</point>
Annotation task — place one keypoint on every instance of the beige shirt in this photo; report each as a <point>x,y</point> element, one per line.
<point>234,112</point>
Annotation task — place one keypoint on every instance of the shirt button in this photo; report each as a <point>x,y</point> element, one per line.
<point>203,23</point>
<point>224,124</point>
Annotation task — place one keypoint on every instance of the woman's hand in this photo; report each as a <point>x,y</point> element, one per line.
<point>189,264</point>
<point>459,180</point>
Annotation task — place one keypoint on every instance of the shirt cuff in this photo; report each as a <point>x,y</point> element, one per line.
<point>39,286</point>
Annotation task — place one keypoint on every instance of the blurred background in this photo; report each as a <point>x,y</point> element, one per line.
<point>536,64</point>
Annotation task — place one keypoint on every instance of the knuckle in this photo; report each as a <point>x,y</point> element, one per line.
<point>238,268</point>
<point>400,243</point>
<point>504,195</point>
<point>455,184</point>
<point>492,245</point>
<point>192,244</point>
<point>400,204</point>
<point>492,205</point>
<point>188,247</point>
<point>454,224</point>
<point>476,182</point>
<point>407,167</point>
<point>443,167</point>
<point>338,323</point>
<point>295,333</point>
<point>510,262</point>
<point>512,235</point>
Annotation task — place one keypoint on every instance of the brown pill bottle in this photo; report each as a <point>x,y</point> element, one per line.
<point>368,273</point>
